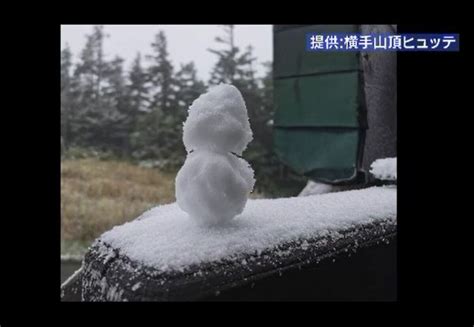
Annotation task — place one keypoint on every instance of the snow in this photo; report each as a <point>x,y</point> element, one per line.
<point>166,238</point>
<point>313,188</point>
<point>213,185</point>
<point>213,188</point>
<point>218,121</point>
<point>384,169</point>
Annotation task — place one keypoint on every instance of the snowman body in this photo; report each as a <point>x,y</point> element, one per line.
<point>214,183</point>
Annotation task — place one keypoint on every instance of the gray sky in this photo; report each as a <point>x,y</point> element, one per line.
<point>185,42</point>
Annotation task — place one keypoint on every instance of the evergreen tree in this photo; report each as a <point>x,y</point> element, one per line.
<point>114,111</point>
<point>138,101</point>
<point>160,75</point>
<point>236,68</point>
<point>190,87</point>
<point>66,100</point>
<point>137,90</point>
<point>226,67</point>
<point>232,66</point>
<point>89,75</point>
<point>66,64</point>
<point>159,135</point>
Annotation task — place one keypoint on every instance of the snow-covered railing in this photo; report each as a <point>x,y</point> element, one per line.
<point>162,255</point>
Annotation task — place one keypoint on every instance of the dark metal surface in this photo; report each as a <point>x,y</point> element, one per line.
<point>380,87</point>
<point>368,275</point>
<point>68,267</point>
<point>115,277</point>
<point>72,290</point>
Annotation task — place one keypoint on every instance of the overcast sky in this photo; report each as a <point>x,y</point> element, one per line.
<point>185,42</point>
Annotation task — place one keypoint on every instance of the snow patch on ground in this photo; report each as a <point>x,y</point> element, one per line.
<point>166,238</point>
<point>384,169</point>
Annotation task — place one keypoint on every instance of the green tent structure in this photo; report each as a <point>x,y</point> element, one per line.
<point>335,112</point>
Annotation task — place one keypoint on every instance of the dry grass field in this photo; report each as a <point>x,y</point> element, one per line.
<point>97,195</point>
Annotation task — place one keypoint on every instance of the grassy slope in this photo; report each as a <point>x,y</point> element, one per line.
<point>97,195</point>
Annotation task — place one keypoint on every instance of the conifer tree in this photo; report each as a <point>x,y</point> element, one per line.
<point>114,111</point>
<point>160,75</point>
<point>89,75</point>
<point>158,135</point>
<point>138,101</point>
<point>66,100</point>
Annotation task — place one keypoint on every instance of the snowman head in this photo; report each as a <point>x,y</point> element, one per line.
<point>218,121</point>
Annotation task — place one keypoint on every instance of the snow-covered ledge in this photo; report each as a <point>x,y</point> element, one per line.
<point>165,255</point>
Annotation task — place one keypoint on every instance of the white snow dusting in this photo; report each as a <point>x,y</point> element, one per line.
<point>166,238</point>
<point>384,169</point>
<point>213,184</point>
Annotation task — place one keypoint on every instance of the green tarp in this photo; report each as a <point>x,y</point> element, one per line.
<point>319,123</point>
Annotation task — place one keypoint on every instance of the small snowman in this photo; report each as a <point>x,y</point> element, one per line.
<point>214,183</point>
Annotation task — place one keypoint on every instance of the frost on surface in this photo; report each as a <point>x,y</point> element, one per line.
<point>213,185</point>
<point>167,239</point>
<point>384,169</point>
